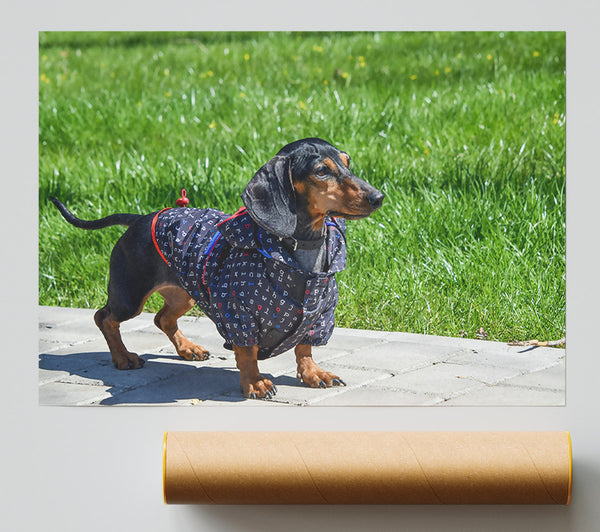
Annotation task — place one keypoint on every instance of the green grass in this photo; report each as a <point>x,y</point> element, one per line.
<point>464,132</point>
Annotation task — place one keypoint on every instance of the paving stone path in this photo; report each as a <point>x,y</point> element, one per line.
<point>380,368</point>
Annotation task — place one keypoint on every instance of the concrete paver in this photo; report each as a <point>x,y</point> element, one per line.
<point>380,368</point>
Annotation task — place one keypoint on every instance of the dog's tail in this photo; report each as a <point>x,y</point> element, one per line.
<point>113,219</point>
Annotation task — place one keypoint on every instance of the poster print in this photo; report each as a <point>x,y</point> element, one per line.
<point>438,184</point>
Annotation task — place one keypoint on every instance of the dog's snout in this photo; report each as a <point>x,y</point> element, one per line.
<point>375,199</point>
<point>369,194</point>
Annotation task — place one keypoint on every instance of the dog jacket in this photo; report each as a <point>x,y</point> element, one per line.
<point>246,281</point>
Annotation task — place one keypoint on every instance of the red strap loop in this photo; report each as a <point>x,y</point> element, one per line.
<point>183,200</point>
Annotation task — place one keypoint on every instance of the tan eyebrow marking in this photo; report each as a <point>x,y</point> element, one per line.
<point>330,164</point>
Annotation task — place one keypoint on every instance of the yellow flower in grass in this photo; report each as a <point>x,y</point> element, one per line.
<point>166,72</point>
<point>490,57</point>
<point>447,70</point>
<point>44,78</point>
<point>302,105</point>
<point>317,48</point>
<point>212,125</point>
<point>413,77</point>
<point>536,54</point>
<point>168,94</point>
<point>247,57</point>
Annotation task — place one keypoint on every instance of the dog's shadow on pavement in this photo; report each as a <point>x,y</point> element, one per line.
<point>160,381</point>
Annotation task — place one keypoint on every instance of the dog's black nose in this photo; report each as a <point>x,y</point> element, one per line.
<point>375,199</point>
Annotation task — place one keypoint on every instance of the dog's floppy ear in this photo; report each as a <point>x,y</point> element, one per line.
<point>270,198</point>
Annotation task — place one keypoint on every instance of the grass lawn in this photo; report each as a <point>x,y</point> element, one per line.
<point>464,132</point>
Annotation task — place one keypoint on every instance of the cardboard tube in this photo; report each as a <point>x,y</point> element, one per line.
<point>367,467</point>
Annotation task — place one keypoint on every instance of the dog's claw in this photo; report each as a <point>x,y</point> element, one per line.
<point>131,364</point>
<point>322,384</point>
<point>338,382</point>
<point>252,395</point>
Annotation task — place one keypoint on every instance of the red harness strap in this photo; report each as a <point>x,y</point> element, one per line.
<point>153,231</point>
<point>239,212</point>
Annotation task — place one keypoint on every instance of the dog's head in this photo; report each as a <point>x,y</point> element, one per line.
<point>313,175</point>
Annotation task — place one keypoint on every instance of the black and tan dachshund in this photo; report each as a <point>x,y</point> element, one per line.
<point>265,275</point>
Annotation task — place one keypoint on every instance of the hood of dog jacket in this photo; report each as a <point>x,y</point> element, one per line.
<point>246,281</point>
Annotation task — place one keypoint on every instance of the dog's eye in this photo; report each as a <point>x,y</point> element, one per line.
<point>321,171</point>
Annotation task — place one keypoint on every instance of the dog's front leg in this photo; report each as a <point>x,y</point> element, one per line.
<point>310,373</point>
<point>254,385</point>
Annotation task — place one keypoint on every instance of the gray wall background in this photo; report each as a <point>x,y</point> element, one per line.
<point>100,468</point>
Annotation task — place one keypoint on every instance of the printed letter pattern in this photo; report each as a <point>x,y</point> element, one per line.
<point>245,280</point>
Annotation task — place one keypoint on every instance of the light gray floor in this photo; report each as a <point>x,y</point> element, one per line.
<point>379,368</point>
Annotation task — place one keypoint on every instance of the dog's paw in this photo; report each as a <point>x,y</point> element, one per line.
<point>128,360</point>
<point>315,377</point>
<point>191,351</point>
<point>258,388</point>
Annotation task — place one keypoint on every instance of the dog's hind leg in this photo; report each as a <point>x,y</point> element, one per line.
<point>109,325</point>
<point>122,305</point>
<point>135,273</point>
<point>177,303</point>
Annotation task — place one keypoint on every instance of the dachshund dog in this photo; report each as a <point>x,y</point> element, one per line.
<point>264,275</point>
